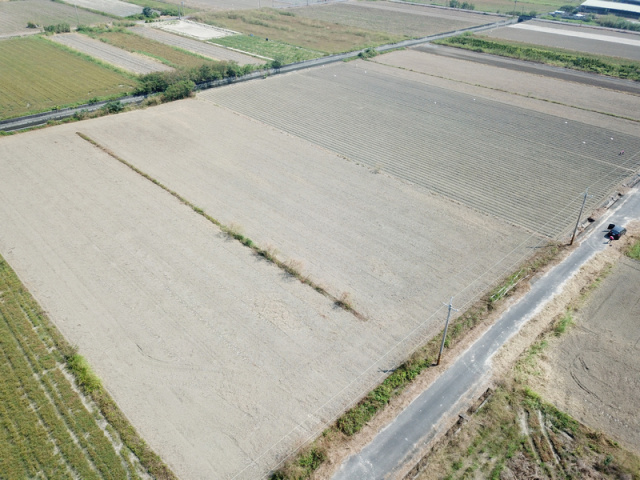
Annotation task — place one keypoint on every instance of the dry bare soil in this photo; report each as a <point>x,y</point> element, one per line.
<point>239,360</point>
<point>526,167</point>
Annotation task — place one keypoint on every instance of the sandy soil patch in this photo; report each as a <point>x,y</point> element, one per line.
<point>195,46</point>
<point>455,144</point>
<point>132,62</point>
<point>114,7</point>
<point>598,41</point>
<point>15,15</point>
<point>188,28</point>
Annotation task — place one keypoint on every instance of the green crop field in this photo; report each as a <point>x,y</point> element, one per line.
<point>270,49</point>
<point>172,56</point>
<point>45,429</point>
<point>284,26</point>
<point>37,75</point>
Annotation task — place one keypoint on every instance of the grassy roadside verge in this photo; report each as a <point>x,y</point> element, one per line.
<point>46,430</point>
<point>600,64</point>
<point>517,434</point>
<point>306,461</point>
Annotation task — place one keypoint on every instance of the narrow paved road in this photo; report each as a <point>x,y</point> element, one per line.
<point>401,441</point>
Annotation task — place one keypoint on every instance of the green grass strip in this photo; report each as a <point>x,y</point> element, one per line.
<point>599,64</point>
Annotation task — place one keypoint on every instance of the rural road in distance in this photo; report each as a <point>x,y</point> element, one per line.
<point>403,439</point>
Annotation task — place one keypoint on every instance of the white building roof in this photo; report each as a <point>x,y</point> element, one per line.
<point>625,7</point>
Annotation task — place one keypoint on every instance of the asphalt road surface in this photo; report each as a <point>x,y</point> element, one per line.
<point>621,85</point>
<point>401,442</point>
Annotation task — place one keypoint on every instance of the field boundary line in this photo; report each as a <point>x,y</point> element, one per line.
<point>269,255</point>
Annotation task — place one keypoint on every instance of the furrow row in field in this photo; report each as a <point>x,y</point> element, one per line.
<point>195,46</point>
<point>519,165</point>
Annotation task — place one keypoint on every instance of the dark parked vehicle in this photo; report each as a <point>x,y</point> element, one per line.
<point>616,231</point>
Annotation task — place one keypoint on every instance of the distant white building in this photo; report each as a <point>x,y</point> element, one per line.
<point>630,8</point>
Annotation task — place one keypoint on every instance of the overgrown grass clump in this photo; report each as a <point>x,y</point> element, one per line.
<point>634,250</point>
<point>600,64</point>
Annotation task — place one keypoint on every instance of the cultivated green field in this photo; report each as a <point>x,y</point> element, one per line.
<point>45,429</point>
<point>37,75</point>
<point>284,26</point>
<point>270,49</point>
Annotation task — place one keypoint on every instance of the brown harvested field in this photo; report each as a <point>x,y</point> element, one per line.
<point>217,357</point>
<point>397,19</point>
<point>511,86</point>
<point>132,62</point>
<point>14,16</point>
<point>284,26</point>
<point>579,38</point>
<point>527,168</point>
<point>196,46</point>
<point>593,372</point>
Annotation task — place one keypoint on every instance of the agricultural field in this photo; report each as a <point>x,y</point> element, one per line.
<point>579,39</point>
<point>188,28</point>
<point>238,359</point>
<point>38,75</point>
<point>134,63</point>
<point>111,7</point>
<point>15,15</point>
<point>473,150</point>
<point>195,46</point>
<point>285,27</point>
<point>528,89</point>
<point>151,49</point>
<point>49,429</point>
<point>284,52</point>
<point>396,19</point>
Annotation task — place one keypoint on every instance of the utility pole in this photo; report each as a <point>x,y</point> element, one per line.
<point>446,326</point>
<point>584,200</point>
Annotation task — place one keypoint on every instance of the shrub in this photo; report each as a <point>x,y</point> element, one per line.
<point>178,90</point>
<point>59,28</point>
<point>31,25</point>
<point>113,107</point>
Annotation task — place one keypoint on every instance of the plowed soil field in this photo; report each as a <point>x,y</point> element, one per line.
<point>223,362</point>
<point>397,19</point>
<point>195,46</point>
<point>522,166</point>
<point>131,62</point>
<point>15,15</point>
